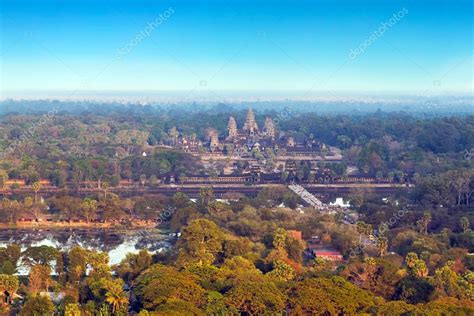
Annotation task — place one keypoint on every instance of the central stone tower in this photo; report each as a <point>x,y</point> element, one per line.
<point>250,124</point>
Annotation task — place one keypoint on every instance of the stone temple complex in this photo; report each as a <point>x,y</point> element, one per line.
<point>254,150</point>
<point>247,141</point>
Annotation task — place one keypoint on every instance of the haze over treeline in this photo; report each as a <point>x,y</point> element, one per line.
<point>422,106</point>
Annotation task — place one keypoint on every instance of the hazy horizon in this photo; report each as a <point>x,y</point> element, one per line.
<point>230,95</point>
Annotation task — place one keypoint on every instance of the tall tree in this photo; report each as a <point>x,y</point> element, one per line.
<point>9,285</point>
<point>3,179</point>
<point>36,187</point>
<point>38,305</point>
<point>200,242</point>
<point>39,255</point>
<point>464,223</point>
<point>382,245</point>
<point>39,278</point>
<point>115,296</point>
<point>89,208</point>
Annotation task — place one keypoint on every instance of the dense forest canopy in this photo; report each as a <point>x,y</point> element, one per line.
<point>410,251</point>
<point>374,142</point>
<point>245,258</point>
<point>421,105</point>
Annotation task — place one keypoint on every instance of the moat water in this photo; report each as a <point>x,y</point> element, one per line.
<point>117,243</point>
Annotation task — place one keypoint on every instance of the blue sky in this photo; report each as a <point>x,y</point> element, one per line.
<point>236,45</point>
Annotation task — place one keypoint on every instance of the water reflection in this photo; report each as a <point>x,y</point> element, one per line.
<point>117,243</point>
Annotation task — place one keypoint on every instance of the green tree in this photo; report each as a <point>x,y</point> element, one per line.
<point>360,227</point>
<point>395,308</point>
<point>255,298</point>
<point>77,261</point>
<point>413,290</point>
<point>115,296</point>
<point>9,285</point>
<point>133,265</point>
<point>410,259</point>
<point>159,285</point>
<point>89,208</point>
<point>42,255</point>
<point>448,283</point>
<point>3,179</point>
<point>178,307</point>
<point>36,187</point>
<point>11,209</point>
<point>464,223</point>
<point>39,278</point>
<point>295,248</point>
<point>206,195</point>
<point>37,305</point>
<point>281,271</point>
<point>417,267</point>
<point>200,242</point>
<point>216,304</point>
<point>424,222</point>
<point>105,186</point>
<point>344,141</point>
<point>28,201</point>
<point>382,245</point>
<point>143,179</point>
<point>9,257</point>
<point>72,309</point>
<point>279,239</point>
<point>328,296</point>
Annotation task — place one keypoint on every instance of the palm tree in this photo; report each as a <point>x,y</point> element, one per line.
<point>116,298</point>
<point>379,176</point>
<point>464,223</point>
<point>369,229</point>
<point>104,310</point>
<point>419,268</point>
<point>206,194</point>
<point>424,221</point>
<point>28,201</point>
<point>382,244</point>
<point>410,259</point>
<point>36,187</point>
<point>143,179</point>
<point>105,186</point>
<point>360,226</point>
<point>391,176</point>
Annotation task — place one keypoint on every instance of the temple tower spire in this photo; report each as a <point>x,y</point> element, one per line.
<point>232,128</point>
<point>269,128</point>
<point>250,123</point>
